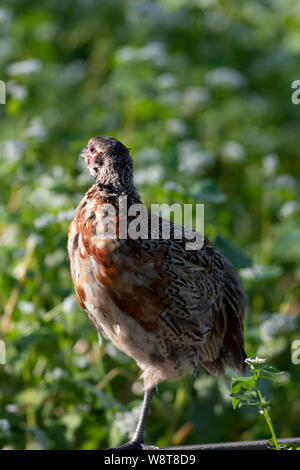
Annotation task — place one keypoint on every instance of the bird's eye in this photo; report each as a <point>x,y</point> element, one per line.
<point>92,148</point>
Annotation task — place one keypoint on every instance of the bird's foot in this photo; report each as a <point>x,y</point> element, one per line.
<point>135,445</point>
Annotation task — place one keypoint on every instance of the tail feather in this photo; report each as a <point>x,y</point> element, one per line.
<point>228,335</point>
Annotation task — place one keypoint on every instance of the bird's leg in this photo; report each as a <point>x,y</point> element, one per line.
<point>137,441</point>
<point>139,432</point>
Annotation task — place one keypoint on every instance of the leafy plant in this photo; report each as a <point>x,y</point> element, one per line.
<point>246,391</point>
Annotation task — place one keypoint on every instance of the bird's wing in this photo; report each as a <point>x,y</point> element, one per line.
<point>193,295</point>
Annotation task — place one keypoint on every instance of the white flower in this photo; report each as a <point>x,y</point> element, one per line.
<point>12,150</point>
<point>126,54</point>
<point>171,186</point>
<point>24,67</point>
<point>256,361</point>
<point>288,208</point>
<point>36,129</point>
<point>203,385</point>
<point>66,215</point>
<point>11,408</point>
<point>58,373</point>
<point>253,272</point>
<point>69,303</point>
<point>4,425</point>
<point>153,52</point>
<point>82,361</point>
<point>276,323</point>
<point>127,421</point>
<point>150,175</point>
<point>176,126</point>
<point>233,151</point>
<point>43,197</point>
<point>58,172</point>
<point>55,259</point>
<point>270,164</point>
<point>192,157</point>
<point>225,77</point>
<point>26,307</point>
<point>9,236</point>
<point>5,16</point>
<point>43,221</point>
<point>18,92</point>
<point>165,81</point>
<point>193,97</point>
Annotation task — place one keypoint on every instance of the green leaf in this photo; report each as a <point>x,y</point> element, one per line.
<point>235,402</point>
<point>246,397</point>
<point>268,372</point>
<point>239,383</point>
<point>238,386</point>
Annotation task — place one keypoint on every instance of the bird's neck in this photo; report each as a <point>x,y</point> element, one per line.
<point>113,191</point>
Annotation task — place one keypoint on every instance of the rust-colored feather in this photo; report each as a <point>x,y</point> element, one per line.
<point>193,299</point>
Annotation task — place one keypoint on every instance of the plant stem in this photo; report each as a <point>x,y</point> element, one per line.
<point>267,416</point>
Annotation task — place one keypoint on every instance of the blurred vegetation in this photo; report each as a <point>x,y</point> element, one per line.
<point>200,90</point>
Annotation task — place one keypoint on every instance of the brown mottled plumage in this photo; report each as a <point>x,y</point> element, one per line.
<point>167,307</point>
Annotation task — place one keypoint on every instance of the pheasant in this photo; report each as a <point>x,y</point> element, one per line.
<point>169,308</point>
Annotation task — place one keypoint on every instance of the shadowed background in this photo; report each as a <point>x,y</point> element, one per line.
<point>200,90</point>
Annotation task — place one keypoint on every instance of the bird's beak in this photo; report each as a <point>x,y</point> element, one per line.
<point>83,152</point>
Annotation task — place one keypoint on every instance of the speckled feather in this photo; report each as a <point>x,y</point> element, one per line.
<point>167,307</point>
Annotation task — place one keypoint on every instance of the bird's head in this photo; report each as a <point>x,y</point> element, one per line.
<point>109,162</point>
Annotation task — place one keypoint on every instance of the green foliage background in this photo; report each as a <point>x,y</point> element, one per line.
<point>200,90</point>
